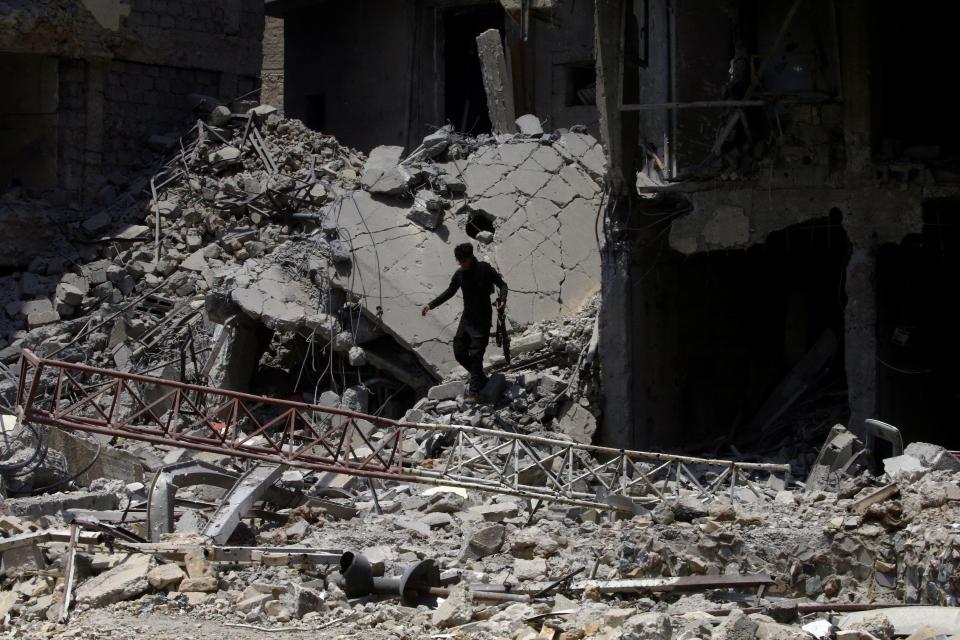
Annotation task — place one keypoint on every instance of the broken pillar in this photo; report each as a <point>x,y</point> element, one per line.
<point>496,82</point>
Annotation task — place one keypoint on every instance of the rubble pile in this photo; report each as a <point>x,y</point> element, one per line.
<point>256,220</point>
<point>818,547</point>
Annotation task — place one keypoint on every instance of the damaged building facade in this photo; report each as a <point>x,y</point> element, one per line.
<point>88,82</point>
<point>782,250</point>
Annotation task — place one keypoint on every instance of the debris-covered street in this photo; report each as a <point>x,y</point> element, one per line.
<point>527,319</point>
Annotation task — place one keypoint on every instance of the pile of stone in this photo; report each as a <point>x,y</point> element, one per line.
<point>818,547</point>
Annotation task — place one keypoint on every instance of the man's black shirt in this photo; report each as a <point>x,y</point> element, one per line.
<point>476,283</point>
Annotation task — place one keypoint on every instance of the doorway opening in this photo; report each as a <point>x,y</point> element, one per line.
<point>465,101</point>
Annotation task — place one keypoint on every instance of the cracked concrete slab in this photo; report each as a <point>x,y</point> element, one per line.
<point>542,200</point>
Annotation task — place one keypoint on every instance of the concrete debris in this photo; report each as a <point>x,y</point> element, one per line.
<point>383,173</point>
<point>129,579</point>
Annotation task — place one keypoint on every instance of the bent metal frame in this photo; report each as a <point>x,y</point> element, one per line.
<point>308,436</point>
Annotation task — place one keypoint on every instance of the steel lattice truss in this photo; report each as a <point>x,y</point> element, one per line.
<point>78,397</point>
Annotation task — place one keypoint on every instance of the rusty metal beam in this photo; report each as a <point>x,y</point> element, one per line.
<point>269,430</point>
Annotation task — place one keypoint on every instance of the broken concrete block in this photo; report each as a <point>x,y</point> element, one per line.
<point>529,125</point>
<point>496,512</point>
<point>835,453</point>
<point>254,602</point>
<point>483,542</point>
<point>529,569</point>
<point>447,406</point>
<point>932,456</point>
<point>736,626</point>
<point>453,183</point>
<point>41,313</point>
<point>262,110</point>
<point>577,422</point>
<point>446,391</point>
<point>165,575</point>
<point>904,468</point>
<point>485,237</point>
<point>647,626</point>
<point>455,610</point>
<point>527,343</point>
<point>551,384</point>
<point>437,142</point>
<point>382,172</point>
<point>205,584</point>
<point>224,155</point>
<point>427,218</point>
<point>126,580</point>
<point>220,116</point>
<point>69,294</point>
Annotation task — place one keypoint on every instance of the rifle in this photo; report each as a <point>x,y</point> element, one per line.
<point>503,338</point>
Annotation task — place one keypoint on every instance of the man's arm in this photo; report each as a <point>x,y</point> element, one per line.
<point>446,295</point>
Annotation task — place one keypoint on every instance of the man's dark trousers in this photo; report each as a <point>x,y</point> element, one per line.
<point>469,345</point>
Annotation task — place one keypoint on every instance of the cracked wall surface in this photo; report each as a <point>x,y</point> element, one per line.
<point>543,196</point>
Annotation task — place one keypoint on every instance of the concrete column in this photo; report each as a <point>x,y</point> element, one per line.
<point>607,17</point>
<point>616,340</point>
<point>860,330</point>
<point>855,52</point>
<point>496,82</point>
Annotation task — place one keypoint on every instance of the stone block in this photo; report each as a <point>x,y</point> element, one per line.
<point>483,542</point>
<point>125,581</point>
<point>529,125</point>
<point>426,218</point>
<point>446,391</point>
<point>382,172</point>
<point>932,456</point>
<point>165,575</point>
<point>496,512</point>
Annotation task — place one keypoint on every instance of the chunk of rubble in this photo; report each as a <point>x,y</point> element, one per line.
<point>125,581</point>
<point>383,173</point>
<point>529,125</point>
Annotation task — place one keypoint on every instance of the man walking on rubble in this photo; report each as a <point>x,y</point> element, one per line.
<point>476,280</point>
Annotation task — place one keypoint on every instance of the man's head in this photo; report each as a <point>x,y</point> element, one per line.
<point>464,254</point>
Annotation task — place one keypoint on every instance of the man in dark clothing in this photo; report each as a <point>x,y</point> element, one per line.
<point>476,280</point>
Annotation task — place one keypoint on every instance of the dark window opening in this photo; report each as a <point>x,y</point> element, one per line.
<point>316,115</point>
<point>912,47</point>
<point>918,346</point>
<point>479,222</point>
<point>581,85</point>
<point>465,102</point>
